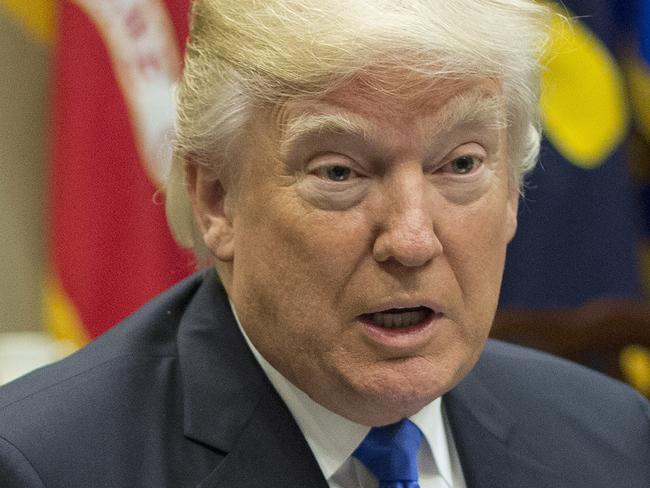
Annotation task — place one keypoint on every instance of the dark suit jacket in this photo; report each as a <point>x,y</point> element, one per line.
<point>172,397</point>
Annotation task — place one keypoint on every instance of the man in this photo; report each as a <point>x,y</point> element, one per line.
<point>351,170</point>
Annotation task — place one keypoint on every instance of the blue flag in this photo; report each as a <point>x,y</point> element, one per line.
<point>580,220</point>
<point>644,30</point>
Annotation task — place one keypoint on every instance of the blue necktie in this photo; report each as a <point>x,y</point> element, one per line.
<point>390,453</point>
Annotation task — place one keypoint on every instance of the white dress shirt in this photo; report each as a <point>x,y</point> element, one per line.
<point>333,438</point>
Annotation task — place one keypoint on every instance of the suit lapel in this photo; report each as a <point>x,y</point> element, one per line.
<point>229,405</point>
<point>490,451</point>
<point>271,452</point>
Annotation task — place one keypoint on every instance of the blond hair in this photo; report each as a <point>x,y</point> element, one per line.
<point>243,54</point>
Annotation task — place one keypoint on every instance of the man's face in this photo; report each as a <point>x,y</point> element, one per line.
<point>369,235</point>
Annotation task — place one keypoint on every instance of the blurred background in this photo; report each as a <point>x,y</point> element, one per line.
<point>87,115</point>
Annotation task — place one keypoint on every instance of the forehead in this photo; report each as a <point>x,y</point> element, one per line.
<point>403,95</point>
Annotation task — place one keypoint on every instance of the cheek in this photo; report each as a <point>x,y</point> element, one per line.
<point>325,245</point>
<point>299,253</point>
<point>479,231</point>
<point>475,244</point>
<point>291,275</point>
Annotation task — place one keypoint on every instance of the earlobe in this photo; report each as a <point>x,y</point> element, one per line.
<point>212,212</point>
<point>512,210</point>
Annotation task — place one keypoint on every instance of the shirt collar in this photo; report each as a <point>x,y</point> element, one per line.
<point>333,438</point>
<point>430,421</point>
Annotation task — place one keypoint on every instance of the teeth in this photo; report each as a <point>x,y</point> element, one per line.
<point>399,319</point>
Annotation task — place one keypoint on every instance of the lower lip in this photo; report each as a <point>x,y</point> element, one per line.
<point>401,337</point>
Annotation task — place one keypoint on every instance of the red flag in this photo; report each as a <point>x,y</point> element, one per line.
<point>111,251</point>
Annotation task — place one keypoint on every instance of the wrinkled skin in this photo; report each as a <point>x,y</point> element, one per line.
<point>328,225</point>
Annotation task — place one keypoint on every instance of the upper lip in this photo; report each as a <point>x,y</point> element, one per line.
<point>406,304</point>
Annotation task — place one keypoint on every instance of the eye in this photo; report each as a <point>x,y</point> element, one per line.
<point>334,181</point>
<point>464,164</point>
<point>337,173</point>
<point>335,168</point>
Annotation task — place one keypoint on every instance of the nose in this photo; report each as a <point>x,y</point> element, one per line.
<point>407,233</point>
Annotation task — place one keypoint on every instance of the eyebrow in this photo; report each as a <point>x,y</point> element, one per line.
<point>466,108</point>
<point>320,125</point>
<point>472,108</point>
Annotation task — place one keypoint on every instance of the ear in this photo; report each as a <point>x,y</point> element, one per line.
<point>212,212</point>
<point>511,216</point>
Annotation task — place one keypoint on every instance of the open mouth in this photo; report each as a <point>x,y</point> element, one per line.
<point>397,318</point>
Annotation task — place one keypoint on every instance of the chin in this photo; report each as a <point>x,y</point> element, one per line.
<point>387,395</point>
<point>390,407</point>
